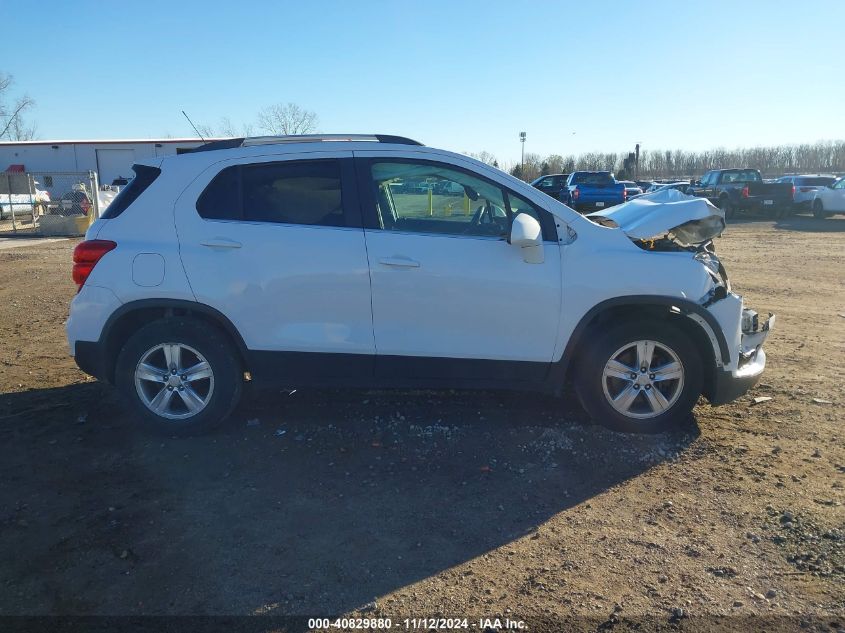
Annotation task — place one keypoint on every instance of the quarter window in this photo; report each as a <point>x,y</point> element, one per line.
<point>518,204</point>
<point>221,199</point>
<point>306,192</point>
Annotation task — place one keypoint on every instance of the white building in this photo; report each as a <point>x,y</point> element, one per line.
<point>110,159</point>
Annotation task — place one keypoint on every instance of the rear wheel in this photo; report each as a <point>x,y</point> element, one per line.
<point>727,207</point>
<point>641,377</point>
<point>181,375</point>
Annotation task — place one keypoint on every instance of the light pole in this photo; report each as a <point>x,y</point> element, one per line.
<point>522,160</point>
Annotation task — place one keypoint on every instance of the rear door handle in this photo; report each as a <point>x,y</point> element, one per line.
<point>404,262</point>
<point>221,243</point>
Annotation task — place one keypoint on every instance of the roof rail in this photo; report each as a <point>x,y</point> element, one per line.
<point>314,138</point>
<point>303,138</point>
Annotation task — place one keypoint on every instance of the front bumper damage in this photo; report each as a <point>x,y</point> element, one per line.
<point>743,369</point>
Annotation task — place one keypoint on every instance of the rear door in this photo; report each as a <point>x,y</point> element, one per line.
<point>451,298</point>
<point>275,243</point>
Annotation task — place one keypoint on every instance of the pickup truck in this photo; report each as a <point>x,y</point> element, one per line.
<point>735,190</point>
<point>591,190</point>
<point>552,184</point>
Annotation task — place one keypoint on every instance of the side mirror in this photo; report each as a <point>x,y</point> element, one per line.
<point>527,235</point>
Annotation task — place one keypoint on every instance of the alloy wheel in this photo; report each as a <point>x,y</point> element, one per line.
<point>643,379</point>
<point>174,381</point>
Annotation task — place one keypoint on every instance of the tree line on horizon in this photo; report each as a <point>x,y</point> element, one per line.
<point>820,157</point>
<point>290,118</point>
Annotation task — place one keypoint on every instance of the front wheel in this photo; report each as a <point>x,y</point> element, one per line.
<point>640,377</point>
<point>181,375</point>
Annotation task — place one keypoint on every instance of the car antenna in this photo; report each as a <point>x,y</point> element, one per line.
<point>194,126</point>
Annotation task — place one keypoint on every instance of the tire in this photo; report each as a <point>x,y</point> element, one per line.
<point>727,207</point>
<point>213,397</point>
<point>669,347</point>
<point>818,210</point>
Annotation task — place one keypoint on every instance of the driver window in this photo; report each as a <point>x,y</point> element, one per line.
<point>430,198</point>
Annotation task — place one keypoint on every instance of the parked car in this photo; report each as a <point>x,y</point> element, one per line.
<point>552,184</point>
<point>645,185</point>
<point>678,186</point>
<point>804,189</point>
<point>829,200</point>
<point>631,189</point>
<point>735,190</point>
<point>75,202</point>
<point>448,188</point>
<point>289,261</point>
<point>591,190</point>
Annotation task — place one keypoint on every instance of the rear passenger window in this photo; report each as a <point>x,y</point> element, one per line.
<point>307,192</point>
<point>296,193</point>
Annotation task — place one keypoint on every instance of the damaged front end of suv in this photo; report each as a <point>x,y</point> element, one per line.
<point>670,221</point>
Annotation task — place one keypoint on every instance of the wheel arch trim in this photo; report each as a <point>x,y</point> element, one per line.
<point>126,309</point>
<point>694,311</point>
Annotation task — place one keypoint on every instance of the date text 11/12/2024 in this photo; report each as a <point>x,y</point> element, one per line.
<point>421,624</point>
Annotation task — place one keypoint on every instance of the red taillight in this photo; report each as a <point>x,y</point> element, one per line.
<point>793,191</point>
<point>85,257</point>
<point>624,194</point>
<point>85,206</point>
<point>745,191</point>
<point>576,194</point>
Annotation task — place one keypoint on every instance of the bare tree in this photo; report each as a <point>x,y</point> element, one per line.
<point>484,156</point>
<point>287,118</point>
<point>12,123</point>
<point>225,128</point>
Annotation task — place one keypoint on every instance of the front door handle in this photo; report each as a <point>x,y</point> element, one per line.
<point>398,260</point>
<point>221,243</point>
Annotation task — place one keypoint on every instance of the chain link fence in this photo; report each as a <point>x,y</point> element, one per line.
<point>49,203</point>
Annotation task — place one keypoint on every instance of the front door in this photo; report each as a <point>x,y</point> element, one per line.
<point>834,199</point>
<point>451,298</point>
<point>276,245</point>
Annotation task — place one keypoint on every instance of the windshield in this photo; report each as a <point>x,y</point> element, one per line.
<point>144,177</point>
<point>818,181</point>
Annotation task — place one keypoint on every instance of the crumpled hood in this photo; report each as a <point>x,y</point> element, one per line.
<point>687,219</point>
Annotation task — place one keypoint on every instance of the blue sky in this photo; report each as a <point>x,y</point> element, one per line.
<point>463,75</point>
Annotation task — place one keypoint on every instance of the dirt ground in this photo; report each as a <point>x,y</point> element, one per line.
<point>422,504</point>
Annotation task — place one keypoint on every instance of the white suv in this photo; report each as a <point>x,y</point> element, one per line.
<point>291,261</point>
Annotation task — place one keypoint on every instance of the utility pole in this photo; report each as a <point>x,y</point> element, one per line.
<point>522,161</point>
<point>637,149</point>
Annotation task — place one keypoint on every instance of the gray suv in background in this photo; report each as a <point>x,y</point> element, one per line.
<point>804,189</point>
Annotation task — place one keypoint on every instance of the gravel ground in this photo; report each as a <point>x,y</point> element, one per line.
<point>434,503</point>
